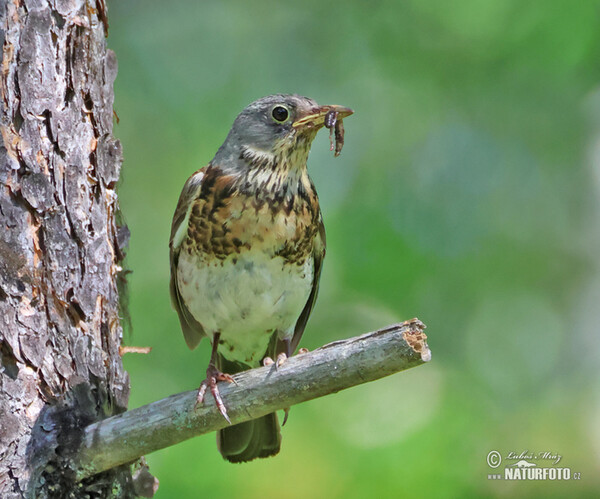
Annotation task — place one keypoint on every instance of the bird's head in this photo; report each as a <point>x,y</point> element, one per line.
<point>275,131</point>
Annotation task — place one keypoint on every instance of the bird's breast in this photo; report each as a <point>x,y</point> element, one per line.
<point>246,267</point>
<point>221,226</point>
<point>246,298</point>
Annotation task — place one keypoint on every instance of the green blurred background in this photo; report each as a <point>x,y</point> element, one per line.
<point>466,195</point>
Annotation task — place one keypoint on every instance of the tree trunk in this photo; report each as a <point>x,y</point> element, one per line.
<point>60,247</point>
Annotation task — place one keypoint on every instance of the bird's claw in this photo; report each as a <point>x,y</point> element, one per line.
<point>213,375</point>
<point>281,358</point>
<point>286,410</point>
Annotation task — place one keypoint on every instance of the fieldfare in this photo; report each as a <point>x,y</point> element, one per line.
<point>247,247</point>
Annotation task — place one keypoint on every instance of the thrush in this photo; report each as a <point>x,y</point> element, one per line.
<point>246,249</point>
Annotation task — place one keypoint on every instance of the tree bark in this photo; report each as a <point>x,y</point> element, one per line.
<point>60,246</point>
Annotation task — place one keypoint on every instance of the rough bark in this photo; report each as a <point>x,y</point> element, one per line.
<point>60,246</point>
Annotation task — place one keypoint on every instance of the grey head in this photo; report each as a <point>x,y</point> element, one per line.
<point>273,128</point>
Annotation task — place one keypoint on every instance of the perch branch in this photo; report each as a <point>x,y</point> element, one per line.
<point>329,369</point>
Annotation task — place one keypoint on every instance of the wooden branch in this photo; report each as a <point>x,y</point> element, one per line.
<point>329,369</point>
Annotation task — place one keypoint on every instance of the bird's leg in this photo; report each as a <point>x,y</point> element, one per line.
<point>213,375</point>
<point>281,358</point>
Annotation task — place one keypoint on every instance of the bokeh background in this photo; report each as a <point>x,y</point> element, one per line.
<point>466,195</point>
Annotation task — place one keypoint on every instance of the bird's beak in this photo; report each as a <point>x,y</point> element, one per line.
<point>316,116</point>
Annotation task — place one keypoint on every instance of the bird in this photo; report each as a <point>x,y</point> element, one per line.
<point>246,251</point>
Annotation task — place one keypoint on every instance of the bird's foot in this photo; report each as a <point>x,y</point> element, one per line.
<point>213,375</point>
<point>281,358</point>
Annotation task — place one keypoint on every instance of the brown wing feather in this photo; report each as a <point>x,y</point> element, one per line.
<point>318,255</point>
<point>192,329</point>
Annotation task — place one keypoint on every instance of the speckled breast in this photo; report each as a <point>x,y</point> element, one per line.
<point>246,268</point>
<point>225,221</point>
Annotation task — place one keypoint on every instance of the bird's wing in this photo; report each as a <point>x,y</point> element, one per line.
<point>318,256</point>
<point>192,329</point>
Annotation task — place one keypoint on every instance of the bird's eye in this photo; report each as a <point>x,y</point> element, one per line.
<point>280,114</point>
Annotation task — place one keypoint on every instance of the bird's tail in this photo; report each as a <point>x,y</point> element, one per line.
<point>247,441</point>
